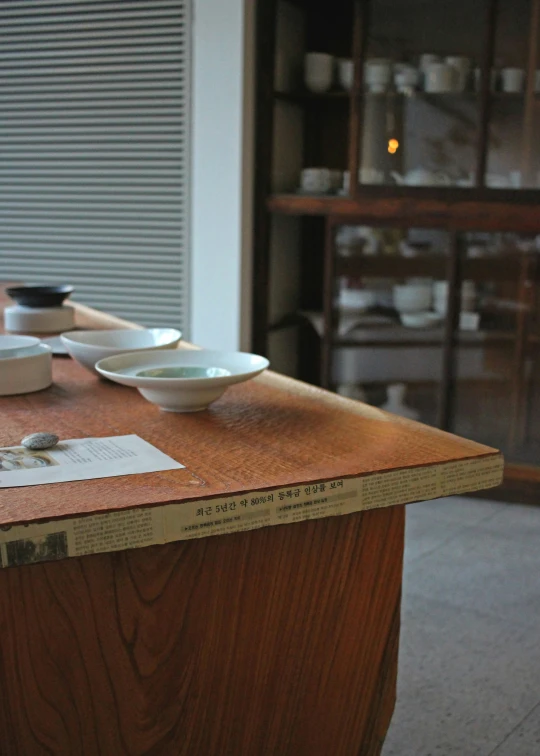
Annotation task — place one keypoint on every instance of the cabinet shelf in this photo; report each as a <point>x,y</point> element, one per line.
<point>303,96</point>
<point>423,206</point>
<point>500,268</point>
<point>429,338</point>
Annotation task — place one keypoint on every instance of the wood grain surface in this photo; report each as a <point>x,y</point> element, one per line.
<point>276,642</point>
<point>432,207</point>
<point>270,432</point>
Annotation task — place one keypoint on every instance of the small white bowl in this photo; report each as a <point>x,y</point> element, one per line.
<point>420,319</point>
<point>89,347</point>
<point>17,346</point>
<point>28,373</point>
<point>185,380</point>
<point>411,297</point>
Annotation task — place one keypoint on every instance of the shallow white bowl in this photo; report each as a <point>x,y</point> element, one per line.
<point>411,297</point>
<point>183,380</point>
<point>28,373</point>
<point>17,346</point>
<point>420,319</point>
<point>89,347</point>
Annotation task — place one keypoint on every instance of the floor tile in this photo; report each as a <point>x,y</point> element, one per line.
<point>524,740</point>
<point>516,521</point>
<point>483,570</point>
<point>464,680</point>
<point>424,533</point>
<point>459,509</point>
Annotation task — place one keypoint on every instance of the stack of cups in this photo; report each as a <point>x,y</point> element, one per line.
<point>440,296</point>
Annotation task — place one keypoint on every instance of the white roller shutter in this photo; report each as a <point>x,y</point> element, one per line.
<point>94,140</point>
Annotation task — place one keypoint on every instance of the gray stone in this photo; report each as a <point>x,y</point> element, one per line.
<point>40,441</point>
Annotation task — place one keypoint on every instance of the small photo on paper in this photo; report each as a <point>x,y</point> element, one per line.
<point>40,549</point>
<point>19,458</point>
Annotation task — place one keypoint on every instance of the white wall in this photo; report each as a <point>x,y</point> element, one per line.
<point>222,145</point>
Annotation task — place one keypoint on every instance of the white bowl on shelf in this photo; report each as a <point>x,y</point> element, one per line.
<point>89,347</point>
<point>183,380</point>
<point>411,297</point>
<point>356,300</point>
<point>26,373</point>
<point>426,319</point>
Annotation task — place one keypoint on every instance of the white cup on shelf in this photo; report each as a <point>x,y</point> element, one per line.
<point>318,72</point>
<point>377,75</point>
<point>462,68</point>
<point>439,78</point>
<point>513,80</point>
<point>426,59</point>
<point>316,180</point>
<point>370,176</point>
<point>406,78</point>
<point>411,297</point>
<point>345,68</point>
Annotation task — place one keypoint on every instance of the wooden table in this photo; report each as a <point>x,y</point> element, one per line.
<point>279,640</point>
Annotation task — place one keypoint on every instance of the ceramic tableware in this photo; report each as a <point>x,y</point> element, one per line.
<point>17,346</point>
<point>318,72</point>
<point>427,59</point>
<point>411,297</point>
<point>377,75</point>
<point>439,78</point>
<point>39,296</point>
<point>513,80</point>
<point>184,380</point>
<point>462,68</point>
<point>356,300</point>
<point>422,319</point>
<point>421,177</point>
<point>316,180</point>
<point>406,79</point>
<point>88,347</point>
<point>345,68</point>
<point>22,319</point>
<point>26,373</point>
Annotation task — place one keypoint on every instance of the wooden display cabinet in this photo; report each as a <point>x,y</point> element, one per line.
<point>296,258</point>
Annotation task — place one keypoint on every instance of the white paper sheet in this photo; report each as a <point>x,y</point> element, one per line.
<point>81,459</point>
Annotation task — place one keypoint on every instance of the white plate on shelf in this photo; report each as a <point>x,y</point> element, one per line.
<point>183,380</point>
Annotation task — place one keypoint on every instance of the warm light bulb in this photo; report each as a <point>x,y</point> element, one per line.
<point>393,145</point>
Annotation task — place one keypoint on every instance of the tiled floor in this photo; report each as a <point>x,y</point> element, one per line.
<point>469,671</point>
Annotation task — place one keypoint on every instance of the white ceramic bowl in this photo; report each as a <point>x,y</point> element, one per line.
<point>411,297</point>
<point>89,347</point>
<point>17,346</point>
<point>424,319</point>
<point>185,380</point>
<point>358,300</point>
<point>27,373</point>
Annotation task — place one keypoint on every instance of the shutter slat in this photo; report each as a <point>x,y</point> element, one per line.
<point>94,138</point>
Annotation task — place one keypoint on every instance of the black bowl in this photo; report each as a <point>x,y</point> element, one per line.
<point>39,296</point>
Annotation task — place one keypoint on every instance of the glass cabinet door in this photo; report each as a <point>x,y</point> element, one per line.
<point>388,325</point>
<point>496,386</point>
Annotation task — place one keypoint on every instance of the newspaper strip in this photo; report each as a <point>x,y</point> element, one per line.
<point>81,459</point>
<point>135,528</point>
